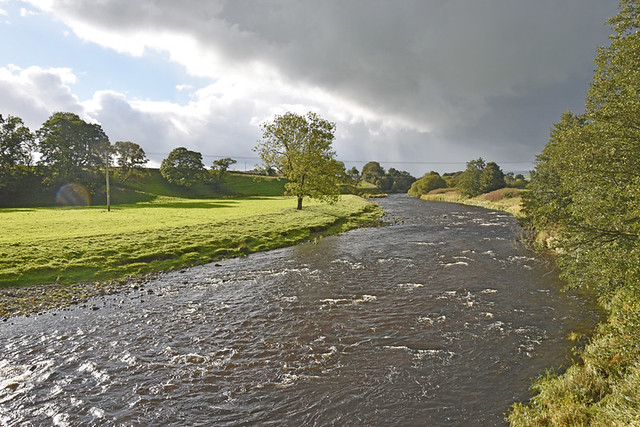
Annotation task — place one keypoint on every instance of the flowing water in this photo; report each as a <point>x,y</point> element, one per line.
<point>438,319</point>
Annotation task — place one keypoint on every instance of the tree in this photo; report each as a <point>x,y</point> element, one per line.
<point>469,182</point>
<point>16,145</point>
<point>588,176</point>
<point>183,167</point>
<point>427,183</point>
<point>372,172</point>
<point>72,149</point>
<point>401,180</point>
<point>131,159</point>
<point>545,204</point>
<point>220,167</point>
<point>491,178</point>
<point>354,174</point>
<point>299,147</point>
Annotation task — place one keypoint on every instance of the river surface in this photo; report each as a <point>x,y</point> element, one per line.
<point>440,318</point>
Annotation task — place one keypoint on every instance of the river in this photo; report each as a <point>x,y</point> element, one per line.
<point>440,318</point>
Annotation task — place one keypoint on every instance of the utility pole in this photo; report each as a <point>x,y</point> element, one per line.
<point>108,153</point>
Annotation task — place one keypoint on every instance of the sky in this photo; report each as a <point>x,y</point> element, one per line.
<point>416,85</point>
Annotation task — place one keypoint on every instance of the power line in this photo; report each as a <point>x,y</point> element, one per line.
<point>364,161</point>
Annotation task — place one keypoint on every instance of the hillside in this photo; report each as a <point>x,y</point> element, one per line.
<point>148,187</point>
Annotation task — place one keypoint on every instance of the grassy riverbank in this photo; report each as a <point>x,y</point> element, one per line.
<point>76,244</point>
<point>505,199</point>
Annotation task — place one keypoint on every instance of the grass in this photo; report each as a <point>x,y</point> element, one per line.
<point>67,245</point>
<point>505,199</point>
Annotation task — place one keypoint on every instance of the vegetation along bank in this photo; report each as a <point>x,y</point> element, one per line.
<point>583,204</point>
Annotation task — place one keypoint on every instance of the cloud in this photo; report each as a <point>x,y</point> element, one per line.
<point>440,79</point>
<point>34,93</point>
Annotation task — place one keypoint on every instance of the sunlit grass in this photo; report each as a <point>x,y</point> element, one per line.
<point>65,245</point>
<point>506,199</point>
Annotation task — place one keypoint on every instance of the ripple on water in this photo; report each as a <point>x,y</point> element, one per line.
<point>353,331</point>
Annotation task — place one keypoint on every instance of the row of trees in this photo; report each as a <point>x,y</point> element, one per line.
<point>479,177</point>
<point>391,181</point>
<point>298,147</point>
<point>65,149</point>
<point>185,167</point>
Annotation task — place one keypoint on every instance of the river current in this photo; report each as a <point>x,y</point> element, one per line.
<point>440,318</point>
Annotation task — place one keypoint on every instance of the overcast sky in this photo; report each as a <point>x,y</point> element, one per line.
<point>416,85</point>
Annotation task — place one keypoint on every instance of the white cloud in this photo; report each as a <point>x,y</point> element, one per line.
<point>34,93</point>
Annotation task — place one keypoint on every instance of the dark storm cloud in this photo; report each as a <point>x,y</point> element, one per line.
<point>456,78</point>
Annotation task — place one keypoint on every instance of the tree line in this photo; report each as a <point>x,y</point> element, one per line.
<point>67,149</point>
<point>479,177</point>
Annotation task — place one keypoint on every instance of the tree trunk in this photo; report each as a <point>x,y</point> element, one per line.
<point>299,203</point>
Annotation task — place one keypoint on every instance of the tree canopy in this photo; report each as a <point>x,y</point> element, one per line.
<point>299,148</point>
<point>72,149</point>
<point>587,178</point>
<point>131,159</point>
<point>16,145</point>
<point>480,177</point>
<point>183,167</point>
<point>427,183</point>
<point>220,166</point>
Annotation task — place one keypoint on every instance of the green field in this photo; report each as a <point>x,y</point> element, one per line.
<point>66,245</point>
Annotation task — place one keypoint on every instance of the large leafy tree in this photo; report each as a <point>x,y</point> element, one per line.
<point>131,159</point>
<point>72,149</point>
<point>372,172</point>
<point>299,147</point>
<point>491,178</point>
<point>427,183</point>
<point>469,182</point>
<point>547,200</point>
<point>16,146</point>
<point>183,167</point>
<point>588,177</point>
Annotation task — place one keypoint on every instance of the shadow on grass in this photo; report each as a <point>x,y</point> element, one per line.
<point>10,210</point>
<point>193,205</point>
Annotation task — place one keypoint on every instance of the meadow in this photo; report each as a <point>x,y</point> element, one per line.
<point>73,244</point>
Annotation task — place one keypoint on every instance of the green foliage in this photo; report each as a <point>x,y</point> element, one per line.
<point>72,149</point>
<point>469,182</point>
<point>586,187</point>
<point>480,177</point>
<point>299,148</point>
<point>16,146</point>
<point>183,167</point>
<point>131,159</point>
<point>393,181</point>
<point>219,168</point>
<point>491,178</point>
<point>372,172</point>
<point>427,183</point>
<point>517,181</point>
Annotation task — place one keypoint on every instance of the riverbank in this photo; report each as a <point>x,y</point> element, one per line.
<point>86,252</point>
<point>505,199</point>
